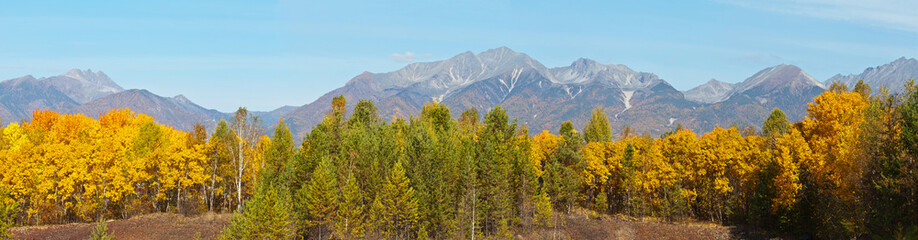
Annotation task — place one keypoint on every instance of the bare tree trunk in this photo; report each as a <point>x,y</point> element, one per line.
<point>246,135</point>
<point>240,167</point>
<point>213,187</point>
<point>178,197</point>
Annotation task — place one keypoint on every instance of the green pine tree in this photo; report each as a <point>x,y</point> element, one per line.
<point>321,199</point>
<point>281,152</point>
<point>400,206</point>
<point>494,170</point>
<point>265,216</point>
<point>365,113</point>
<point>350,216</point>
<point>375,225</point>
<point>100,231</point>
<point>774,126</point>
<point>544,212</point>
<point>597,129</point>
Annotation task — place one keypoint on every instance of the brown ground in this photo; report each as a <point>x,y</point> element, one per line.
<point>578,225</point>
<point>150,226</point>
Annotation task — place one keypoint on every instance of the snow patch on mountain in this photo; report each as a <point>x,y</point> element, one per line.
<point>585,70</point>
<point>626,98</point>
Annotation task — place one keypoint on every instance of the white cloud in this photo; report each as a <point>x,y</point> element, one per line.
<point>406,57</point>
<point>894,14</point>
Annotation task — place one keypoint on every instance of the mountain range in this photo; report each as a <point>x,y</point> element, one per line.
<point>536,95</point>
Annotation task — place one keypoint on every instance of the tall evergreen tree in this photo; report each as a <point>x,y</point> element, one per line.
<point>321,199</point>
<point>563,180</point>
<point>775,126</point>
<point>862,88</point>
<point>265,216</point>
<point>469,121</point>
<point>365,113</point>
<point>400,205</point>
<point>494,169</point>
<point>350,215</point>
<point>281,151</point>
<point>597,128</point>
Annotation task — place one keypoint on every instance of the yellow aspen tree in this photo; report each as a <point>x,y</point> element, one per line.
<point>596,171</point>
<point>116,135</point>
<point>680,150</point>
<point>543,146</point>
<point>832,130</point>
<point>603,159</point>
<point>727,162</point>
<point>656,175</point>
<point>790,151</point>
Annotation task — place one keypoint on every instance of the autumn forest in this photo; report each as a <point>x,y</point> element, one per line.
<point>849,169</point>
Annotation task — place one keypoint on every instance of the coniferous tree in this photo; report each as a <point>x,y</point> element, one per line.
<point>862,88</point>
<point>365,113</point>
<point>494,169</point>
<point>544,212</point>
<point>565,166</point>
<point>469,121</point>
<point>376,220</point>
<point>100,231</point>
<point>774,126</point>
<point>281,151</point>
<point>265,216</point>
<point>597,128</point>
<point>321,199</point>
<point>400,205</point>
<point>349,222</point>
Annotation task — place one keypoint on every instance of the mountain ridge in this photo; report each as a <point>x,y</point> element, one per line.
<point>536,95</point>
<point>627,96</point>
<point>891,75</point>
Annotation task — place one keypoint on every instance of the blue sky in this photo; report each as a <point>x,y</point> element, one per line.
<point>266,54</point>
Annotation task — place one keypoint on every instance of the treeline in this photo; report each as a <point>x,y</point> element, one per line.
<point>848,170</point>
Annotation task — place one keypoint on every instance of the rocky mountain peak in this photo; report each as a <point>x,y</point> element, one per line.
<point>84,85</point>
<point>903,60</point>
<point>98,78</point>
<point>498,51</point>
<point>586,70</point>
<point>778,76</point>
<point>438,77</point>
<point>711,92</point>
<point>892,75</point>
<point>80,74</point>
<point>586,65</point>
<point>181,99</point>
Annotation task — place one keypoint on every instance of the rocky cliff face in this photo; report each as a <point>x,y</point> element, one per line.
<point>892,75</point>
